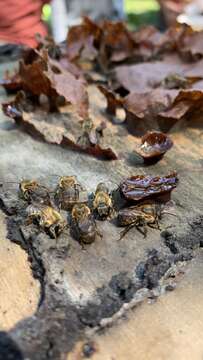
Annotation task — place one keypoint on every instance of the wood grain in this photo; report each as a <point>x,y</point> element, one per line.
<point>19,291</point>
<point>169,329</point>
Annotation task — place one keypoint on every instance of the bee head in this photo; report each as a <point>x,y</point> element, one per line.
<point>67,181</point>
<point>80,211</point>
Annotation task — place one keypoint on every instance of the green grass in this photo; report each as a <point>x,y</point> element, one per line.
<point>139,12</point>
<point>140,6</point>
<point>142,12</point>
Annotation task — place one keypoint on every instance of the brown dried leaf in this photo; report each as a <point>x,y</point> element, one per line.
<point>152,44</point>
<point>150,104</point>
<point>190,43</point>
<point>48,43</point>
<point>179,38</point>
<point>117,43</point>
<point>148,34</point>
<point>170,73</point>
<point>45,76</point>
<point>154,145</point>
<point>160,106</point>
<point>83,40</point>
<point>185,101</point>
<point>34,124</point>
<point>141,187</point>
<point>149,42</point>
<point>107,42</point>
<point>71,67</point>
<point>74,90</point>
<point>113,101</point>
<point>144,110</point>
<point>184,40</point>
<point>11,82</point>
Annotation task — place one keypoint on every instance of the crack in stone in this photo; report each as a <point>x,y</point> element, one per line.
<point>58,323</point>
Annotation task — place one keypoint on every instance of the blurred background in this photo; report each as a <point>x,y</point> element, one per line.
<point>21,20</point>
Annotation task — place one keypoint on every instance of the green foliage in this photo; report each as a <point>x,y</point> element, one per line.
<point>140,6</point>
<point>141,12</point>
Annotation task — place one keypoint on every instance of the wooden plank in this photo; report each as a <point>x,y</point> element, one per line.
<point>169,329</point>
<point>19,291</point>
<point>78,276</point>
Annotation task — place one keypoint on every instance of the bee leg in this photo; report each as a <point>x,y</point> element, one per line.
<point>28,221</point>
<point>154,226</point>
<point>157,223</point>
<point>77,191</point>
<point>99,233</point>
<point>61,227</point>
<point>142,224</point>
<point>144,231</point>
<point>83,246</point>
<point>125,231</point>
<point>51,232</point>
<point>65,226</point>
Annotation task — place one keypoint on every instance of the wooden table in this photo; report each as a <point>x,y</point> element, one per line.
<point>148,327</point>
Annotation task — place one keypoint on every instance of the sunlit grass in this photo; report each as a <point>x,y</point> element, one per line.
<point>138,12</point>
<point>46,12</point>
<point>140,6</point>
<point>142,12</point>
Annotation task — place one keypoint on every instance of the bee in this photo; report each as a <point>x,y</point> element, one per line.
<point>139,216</point>
<point>178,81</point>
<point>83,226</point>
<point>69,192</point>
<point>32,191</point>
<point>91,135</point>
<point>47,218</point>
<point>175,81</point>
<point>102,203</point>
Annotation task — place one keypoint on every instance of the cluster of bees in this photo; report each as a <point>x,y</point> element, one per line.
<point>69,196</point>
<point>44,210</point>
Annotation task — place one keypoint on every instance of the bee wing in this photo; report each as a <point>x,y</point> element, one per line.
<point>169,208</point>
<point>130,212</point>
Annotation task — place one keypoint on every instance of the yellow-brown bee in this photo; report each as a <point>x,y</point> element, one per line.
<point>69,192</point>
<point>47,218</point>
<point>83,226</point>
<point>139,216</point>
<point>32,191</point>
<point>102,203</point>
<point>175,81</point>
<point>26,187</point>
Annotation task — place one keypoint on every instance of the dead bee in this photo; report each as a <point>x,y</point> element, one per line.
<point>47,218</point>
<point>174,81</point>
<point>139,216</point>
<point>32,191</point>
<point>91,135</point>
<point>178,81</point>
<point>26,187</point>
<point>69,192</point>
<point>83,226</point>
<point>102,203</point>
